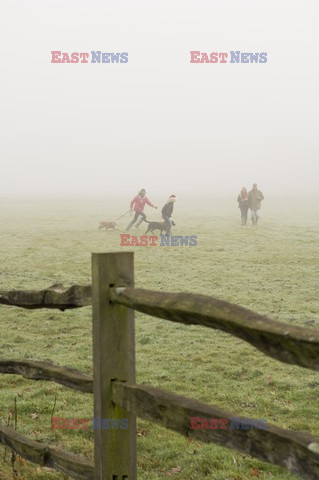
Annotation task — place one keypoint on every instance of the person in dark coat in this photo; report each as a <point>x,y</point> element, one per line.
<point>242,200</point>
<point>167,210</point>
<point>255,197</point>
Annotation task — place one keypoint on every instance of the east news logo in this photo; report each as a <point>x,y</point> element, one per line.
<point>151,240</point>
<point>83,57</point>
<point>236,423</point>
<point>223,57</point>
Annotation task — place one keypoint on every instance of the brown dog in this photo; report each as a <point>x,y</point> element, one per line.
<point>108,225</point>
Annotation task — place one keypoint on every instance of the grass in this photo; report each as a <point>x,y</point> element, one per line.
<point>272,269</point>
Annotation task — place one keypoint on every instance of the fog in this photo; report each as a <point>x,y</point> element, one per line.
<point>158,122</point>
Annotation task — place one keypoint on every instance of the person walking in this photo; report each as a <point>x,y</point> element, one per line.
<point>255,198</point>
<point>167,210</point>
<point>137,205</point>
<point>242,200</point>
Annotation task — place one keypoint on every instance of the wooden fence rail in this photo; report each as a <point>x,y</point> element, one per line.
<point>298,452</point>
<point>173,411</point>
<point>290,344</point>
<point>284,342</point>
<point>116,395</point>
<point>74,465</point>
<point>47,371</point>
<point>56,296</point>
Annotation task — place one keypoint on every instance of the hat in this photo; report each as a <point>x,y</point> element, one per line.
<point>171,198</point>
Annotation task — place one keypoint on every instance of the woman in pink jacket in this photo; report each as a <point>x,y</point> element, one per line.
<point>138,204</point>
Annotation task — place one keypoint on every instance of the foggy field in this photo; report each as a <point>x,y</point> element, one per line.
<point>272,269</point>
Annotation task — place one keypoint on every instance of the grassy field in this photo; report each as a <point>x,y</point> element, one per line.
<point>272,269</point>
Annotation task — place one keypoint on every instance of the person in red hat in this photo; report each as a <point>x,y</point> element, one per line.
<point>167,210</point>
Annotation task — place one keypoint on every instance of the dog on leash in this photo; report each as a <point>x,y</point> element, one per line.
<point>108,225</point>
<point>162,226</point>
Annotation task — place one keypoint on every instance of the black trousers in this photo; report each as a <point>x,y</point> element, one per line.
<point>244,211</point>
<point>137,214</point>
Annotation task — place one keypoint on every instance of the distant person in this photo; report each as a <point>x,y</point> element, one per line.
<point>255,198</point>
<point>242,200</point>
<point>167,210</point>
<point>137,205</point>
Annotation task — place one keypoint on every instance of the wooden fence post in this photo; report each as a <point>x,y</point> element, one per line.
<point>114,359</point>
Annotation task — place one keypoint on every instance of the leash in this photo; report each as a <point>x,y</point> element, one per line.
<point>123,215</point>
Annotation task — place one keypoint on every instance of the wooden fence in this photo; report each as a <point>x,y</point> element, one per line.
<point>116,395</point>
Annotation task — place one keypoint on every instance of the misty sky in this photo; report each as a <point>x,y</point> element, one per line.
<point>158,122</point>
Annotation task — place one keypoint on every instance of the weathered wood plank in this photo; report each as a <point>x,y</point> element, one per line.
<point>114,358</point>
<point>297,452</point>
<point>290,344</point>
<point>56,296</point>
<point>36,370</point>
<point>66,462</point>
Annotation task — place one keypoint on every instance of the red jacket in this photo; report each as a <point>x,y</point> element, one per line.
<point>139,203</point>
